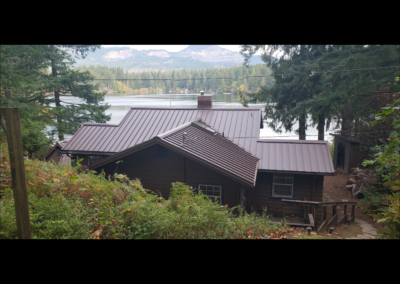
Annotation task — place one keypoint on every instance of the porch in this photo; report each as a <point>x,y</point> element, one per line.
<point>314,214</point>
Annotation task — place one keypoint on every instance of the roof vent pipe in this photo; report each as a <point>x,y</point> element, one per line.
<point>202,92</point>
<point>183,138</point>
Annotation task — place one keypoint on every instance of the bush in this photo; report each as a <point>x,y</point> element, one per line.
<point>66,204</point>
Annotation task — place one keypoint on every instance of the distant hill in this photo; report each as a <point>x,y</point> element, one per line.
<point>192,57</point>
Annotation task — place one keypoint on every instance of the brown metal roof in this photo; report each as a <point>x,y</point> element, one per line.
<point>296,156</point>
<point>205,145</point>
<point>241,125</point>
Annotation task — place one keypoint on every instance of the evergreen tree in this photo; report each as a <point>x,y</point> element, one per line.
<point>63,80</point>
<point>314,83</point>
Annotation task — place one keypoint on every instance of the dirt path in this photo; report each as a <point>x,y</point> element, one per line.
<point>335,190</point>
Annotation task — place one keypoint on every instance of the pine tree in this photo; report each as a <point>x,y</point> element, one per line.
<point>63,80</point>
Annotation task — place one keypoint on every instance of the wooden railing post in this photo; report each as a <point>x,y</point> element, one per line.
<point>283,211</point>
<point>344,210</point>
<point>333,210</point>
<point>14,139</point>
<point>324,214</point>
<point>315,217</point>
<point>353,207</point>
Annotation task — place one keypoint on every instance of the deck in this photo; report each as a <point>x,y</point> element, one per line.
<point>311,219</point>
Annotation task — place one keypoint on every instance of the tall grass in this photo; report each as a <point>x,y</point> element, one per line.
<point>66,204</point>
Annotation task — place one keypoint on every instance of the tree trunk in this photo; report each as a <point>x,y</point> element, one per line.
<point>302,127</point>
<point>346,123</point>
<point>56,97</point>
<point>321,126</point>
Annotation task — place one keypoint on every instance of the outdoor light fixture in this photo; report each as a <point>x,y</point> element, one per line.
<point>348,221</point>
<point>331,230</point>
<point>309,229</point>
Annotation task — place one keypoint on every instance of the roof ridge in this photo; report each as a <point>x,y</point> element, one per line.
<point>195,108</point>
<point>179,127</point>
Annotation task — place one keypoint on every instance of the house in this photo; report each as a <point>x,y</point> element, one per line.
<point>55,154</point>
<point>347,153</point>
<point>215,150</point>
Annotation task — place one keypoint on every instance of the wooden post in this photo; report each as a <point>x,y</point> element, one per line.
<point>344,210</point>
<point>353,207</point>
<point>14,140</point>
<point>324,214</point>
<point>283,210</point>
<point>315,217</point>
<point>333,210</point>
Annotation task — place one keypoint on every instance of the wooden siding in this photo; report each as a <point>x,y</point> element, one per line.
<point>157,174</point>
<point>259,196</point>
<point>53,157</point>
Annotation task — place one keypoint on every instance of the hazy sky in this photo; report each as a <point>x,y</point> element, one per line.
<point>173,48</point>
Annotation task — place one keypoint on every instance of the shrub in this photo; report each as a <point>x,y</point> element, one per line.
<point>66,204</point>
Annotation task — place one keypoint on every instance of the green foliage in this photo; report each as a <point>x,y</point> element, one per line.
<point>331,149</point>
<point>66,204</point>
<point>34,77</point>
<point>386,199</point>
<point>196,79</point>
<point>309,79</point>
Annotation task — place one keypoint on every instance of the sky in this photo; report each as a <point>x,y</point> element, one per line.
<point>173,48</point>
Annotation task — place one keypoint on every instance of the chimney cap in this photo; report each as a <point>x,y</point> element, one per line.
<point>202,92</point>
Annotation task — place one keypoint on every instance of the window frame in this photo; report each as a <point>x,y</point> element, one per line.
<point>282,197</point>
<point>212,184</point>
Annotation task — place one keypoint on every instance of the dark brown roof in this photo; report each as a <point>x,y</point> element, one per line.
<point>204,145</point>
<point>296,156</point>
<point>242,125</point>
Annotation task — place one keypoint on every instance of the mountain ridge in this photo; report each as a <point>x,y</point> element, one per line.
<point>192,57</point>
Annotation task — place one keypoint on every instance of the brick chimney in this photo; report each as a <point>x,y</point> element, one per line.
<point>204,101</point>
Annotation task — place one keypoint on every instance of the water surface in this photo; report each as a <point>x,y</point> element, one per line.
<point>120,105</point>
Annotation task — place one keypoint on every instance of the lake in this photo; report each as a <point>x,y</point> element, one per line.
<point>120,105</point>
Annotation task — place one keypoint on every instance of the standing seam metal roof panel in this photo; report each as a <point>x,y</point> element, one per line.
<point>301,156</point>
<point>140,124</point>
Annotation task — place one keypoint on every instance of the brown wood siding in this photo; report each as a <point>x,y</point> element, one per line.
<point>53,157</point>
<point>197,173</point>
<point>357,156</point>
<point>157,174</point>
<point>259,196</point>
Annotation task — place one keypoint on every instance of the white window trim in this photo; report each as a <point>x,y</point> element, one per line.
<point>283,196</point>
<point>220,191</point>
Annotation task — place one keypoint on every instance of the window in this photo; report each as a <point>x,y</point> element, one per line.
<point>93,159</point>
<point>282,185</point>
<point>214,192</point>
<point>161,151</point>
<point>58,151</point>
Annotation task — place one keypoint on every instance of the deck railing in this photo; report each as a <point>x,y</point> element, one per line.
<point>313,206</point>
